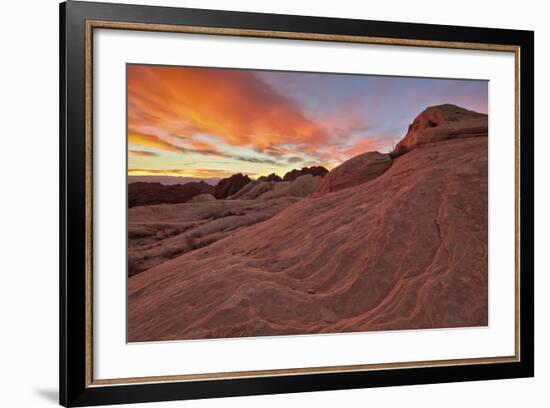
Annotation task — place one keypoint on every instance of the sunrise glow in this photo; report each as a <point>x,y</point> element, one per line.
<point>211,122</point>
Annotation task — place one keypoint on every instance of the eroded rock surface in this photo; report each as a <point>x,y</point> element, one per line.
<point>442,122</point>
<point>162,232</point>
<point>358,170</point>
<point>406,249</point>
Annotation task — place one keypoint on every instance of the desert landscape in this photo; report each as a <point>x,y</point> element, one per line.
<point>380,241</point>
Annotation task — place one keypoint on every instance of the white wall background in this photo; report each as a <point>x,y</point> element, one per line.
<point>29,204</point>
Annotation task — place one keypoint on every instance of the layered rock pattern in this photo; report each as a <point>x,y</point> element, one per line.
<point>161,232</point>
<point>439,123</point>
<point>404,250</point>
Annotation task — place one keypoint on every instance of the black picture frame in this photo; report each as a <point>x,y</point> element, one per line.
<point>75,389</point>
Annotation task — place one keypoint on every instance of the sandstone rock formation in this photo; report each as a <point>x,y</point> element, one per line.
<point>439,123</point>
<point>301,187</point>
<point>142,193</point>
<point>159,233</point>
<point>253,190</point>
<point>404,250</point>
<point>355,171</point>
<point>229,186</point>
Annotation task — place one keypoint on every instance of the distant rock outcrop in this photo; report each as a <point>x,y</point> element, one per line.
<point>142,193</point>
<point>253,190</point>
<point>313,170</point>
<point>358,170</point>
<point>439,123</point>
<point>201,198</point>
<point>229,186</point>
<point>272,177</point>
<point>169,180</point>
<point>266,190</point>
<point>300,187</point>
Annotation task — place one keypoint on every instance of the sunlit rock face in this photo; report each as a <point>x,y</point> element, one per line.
<point>439,123</point>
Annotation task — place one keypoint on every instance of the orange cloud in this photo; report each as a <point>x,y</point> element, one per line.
<point>197,173</point>
<point>363,146</point>
<point>226,113</point>
<point>216,173</point>
<point>155,142</point>
<point>231,104</point>
<point>157,172</point>
<point>152,141</point>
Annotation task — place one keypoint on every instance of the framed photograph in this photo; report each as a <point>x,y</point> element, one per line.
<point>256,203</point>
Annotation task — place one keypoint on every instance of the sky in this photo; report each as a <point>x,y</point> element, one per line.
<point>215,122</point>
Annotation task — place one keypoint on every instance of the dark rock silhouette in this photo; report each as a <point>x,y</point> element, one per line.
<point>142,193</point>
<point>169,180</point>
<point>272,177</point>
<point>229,186</point>
<point>314,171</point>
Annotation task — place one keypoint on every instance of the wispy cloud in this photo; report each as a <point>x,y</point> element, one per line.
<point>206,173</point>
<point>155,142</point>
<point>364,145</point>
<point>232,104</point>
<point>173,108</point>
<point>151,141</point>
<point>197,173</point>
<point>264,121</point>
<point>294,159</point>
<point>141,153</point>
